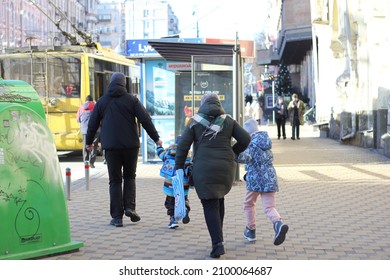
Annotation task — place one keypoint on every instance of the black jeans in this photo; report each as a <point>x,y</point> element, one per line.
<point>214,213</point>
<point>170,205</point>
<point>122,164</point>
<point>281,124</point>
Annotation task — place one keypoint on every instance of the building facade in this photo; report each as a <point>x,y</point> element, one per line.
<point>289,42</point>
<point>23,23</point>
<point>352,81</point>
<point>110,25</point>
<point>151,19</point>
<point>45,22</point>
<point>340,48</point>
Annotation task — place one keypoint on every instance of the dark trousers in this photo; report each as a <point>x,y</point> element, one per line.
<point>295,128</point>
<point>281,125</point>
<point>214,213</point>
<point>122,164</point>
<point>170,205</point>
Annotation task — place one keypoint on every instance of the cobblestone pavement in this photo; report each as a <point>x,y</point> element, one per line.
<point>334,197</point>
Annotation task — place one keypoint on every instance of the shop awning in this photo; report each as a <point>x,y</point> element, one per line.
<point>295,43</point>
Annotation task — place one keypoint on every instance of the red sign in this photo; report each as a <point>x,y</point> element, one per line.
<point>246,46</point>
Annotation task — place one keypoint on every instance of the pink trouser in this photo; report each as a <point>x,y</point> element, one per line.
<point>268,205</point>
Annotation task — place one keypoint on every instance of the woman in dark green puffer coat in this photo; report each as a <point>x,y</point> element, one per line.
<point>214,165</point>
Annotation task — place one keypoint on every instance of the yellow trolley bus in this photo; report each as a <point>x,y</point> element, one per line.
<point>63,76</point>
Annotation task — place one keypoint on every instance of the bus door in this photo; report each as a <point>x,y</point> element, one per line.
<point>100,84</point>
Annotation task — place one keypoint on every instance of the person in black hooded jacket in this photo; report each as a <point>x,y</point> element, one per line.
<point>214,165</point>
<point>117,111</point>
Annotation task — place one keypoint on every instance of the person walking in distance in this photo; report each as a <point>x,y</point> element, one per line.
<point>117,111</point>
<point>296,109</point>
<point>211,131</point>
<point>261,180</point>
<point>281,115</point>
<point>83,115</point>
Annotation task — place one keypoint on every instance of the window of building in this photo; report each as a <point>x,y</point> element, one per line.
<point>12,23</point>
<point>3,10</point>
<point>146,25</point>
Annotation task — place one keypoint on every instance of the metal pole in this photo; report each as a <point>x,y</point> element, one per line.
<point>273,101</point>
<point>86,166</point>
<point>237,92</point>
<point>68,181</point>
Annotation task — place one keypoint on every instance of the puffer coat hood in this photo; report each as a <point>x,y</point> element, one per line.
<point>89,105</point>
<point>261,174</point>
<point>211,106</point>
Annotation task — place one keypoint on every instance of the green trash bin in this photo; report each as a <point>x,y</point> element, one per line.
<point>33,211</point>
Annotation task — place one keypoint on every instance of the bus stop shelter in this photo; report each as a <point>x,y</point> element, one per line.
<point>213,68</point>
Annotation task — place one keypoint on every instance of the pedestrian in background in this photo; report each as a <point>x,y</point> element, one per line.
<point>117,111</point>
<point>82,116</point>
<point>261,180</point>
<point>281,115</point>
<point>211,131</point>
<point>167,171</point>
<point>296,109</point>
<point>257,111</point>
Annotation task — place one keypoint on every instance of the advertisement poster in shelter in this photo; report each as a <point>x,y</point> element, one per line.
<point>159,100</point>
<point>168,99</point>
<point>219,82</point>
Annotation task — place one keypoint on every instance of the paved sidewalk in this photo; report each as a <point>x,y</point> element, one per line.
<point>335,199</point>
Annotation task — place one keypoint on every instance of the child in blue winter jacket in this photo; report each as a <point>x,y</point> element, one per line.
<point>261,180</point>
<point>167,171</point>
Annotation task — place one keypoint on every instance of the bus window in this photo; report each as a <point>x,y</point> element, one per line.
<point>64,73</point>
<point>59,76</point>
<point>16,69</point>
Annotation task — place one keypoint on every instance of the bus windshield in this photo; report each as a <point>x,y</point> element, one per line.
<point>51,75</point>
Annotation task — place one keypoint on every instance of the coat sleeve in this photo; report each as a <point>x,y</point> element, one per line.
<point>243,138</point>
<point>161,153</point>
<point>93,125</point>
<point>78,115</point>
<point>290,105</point>
<point>183,147</point>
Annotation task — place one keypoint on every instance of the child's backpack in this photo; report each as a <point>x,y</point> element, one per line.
<point>168,168</point>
